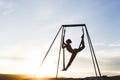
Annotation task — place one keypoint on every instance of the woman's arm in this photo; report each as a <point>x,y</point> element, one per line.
<point>63,45</point>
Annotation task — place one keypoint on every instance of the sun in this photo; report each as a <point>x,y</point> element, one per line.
<point>46,71</point>
<point>32,67</point>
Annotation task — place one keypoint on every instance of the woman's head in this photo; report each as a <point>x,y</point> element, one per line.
<point>68,41</point>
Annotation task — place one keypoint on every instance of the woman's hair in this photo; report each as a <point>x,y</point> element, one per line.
<point>68,41</point>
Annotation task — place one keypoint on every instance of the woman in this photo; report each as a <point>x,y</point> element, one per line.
<point>73,51</point>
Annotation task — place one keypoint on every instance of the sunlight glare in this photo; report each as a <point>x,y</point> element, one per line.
<point>32,66</point>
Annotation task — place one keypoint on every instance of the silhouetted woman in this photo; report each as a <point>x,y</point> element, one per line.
<point>73,51</point>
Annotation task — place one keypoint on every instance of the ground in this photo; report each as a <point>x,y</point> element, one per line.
<point>24,77</point>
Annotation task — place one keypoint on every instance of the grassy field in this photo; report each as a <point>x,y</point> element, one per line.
<point>25,77</point>
<point>12,77</point>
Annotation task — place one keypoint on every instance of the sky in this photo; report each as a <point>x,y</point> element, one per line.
<point>28,27</point>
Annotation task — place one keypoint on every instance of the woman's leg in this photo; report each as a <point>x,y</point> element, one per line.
<point>82,46</point>
<point>71,60</point>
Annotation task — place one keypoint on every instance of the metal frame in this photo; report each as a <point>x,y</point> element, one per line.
<point>94,59</point>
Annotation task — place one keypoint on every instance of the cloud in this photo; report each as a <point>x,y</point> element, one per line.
<point>109,60</point>
<point>43,14</point>
<point>112,44</point>
<point>6,8</point>
<point>110,66</point>
<point>115,44</point>
<point>13,58</point>
<point>100,44</point>
<point>114,63</point>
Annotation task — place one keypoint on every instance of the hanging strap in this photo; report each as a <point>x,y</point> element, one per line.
<point>83,30</point>
<point>82,36</point>
<point>64,49</point>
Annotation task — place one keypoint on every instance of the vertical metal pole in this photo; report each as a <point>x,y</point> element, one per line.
<point>95,62</point>
<point>51,45</point>
<point>63,58</point>
<point>63,48</point>
<point>59,53</point>
<point>91,52</point>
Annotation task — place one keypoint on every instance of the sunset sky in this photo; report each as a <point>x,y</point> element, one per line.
<point>28,27</point>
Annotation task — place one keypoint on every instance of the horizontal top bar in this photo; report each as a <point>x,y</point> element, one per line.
<point>74,25</point>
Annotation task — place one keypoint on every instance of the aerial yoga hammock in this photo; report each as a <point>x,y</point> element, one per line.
<point>71,50</point>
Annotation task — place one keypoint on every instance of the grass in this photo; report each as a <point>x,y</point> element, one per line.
<point>12,76</point>
<point>25,77</point>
